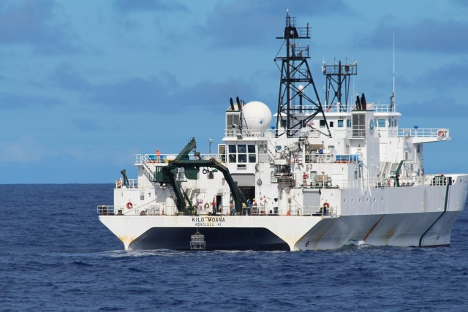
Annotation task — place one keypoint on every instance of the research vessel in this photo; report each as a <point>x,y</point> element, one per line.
<point>315,175</point>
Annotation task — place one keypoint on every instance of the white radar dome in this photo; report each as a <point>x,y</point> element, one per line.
<point>257,116</point>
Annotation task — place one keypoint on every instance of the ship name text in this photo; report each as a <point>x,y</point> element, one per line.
<point>208,221</point>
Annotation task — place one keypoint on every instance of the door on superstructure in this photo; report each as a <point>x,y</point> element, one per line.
<point>219,203</point>
<point>311,204</point>
<point>248,191</point>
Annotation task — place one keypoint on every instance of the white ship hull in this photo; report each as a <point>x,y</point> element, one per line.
<point>416,216</point>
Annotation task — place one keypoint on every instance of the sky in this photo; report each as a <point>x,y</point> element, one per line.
<point>85,85</point>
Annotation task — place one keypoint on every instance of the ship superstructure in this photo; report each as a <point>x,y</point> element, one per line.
<point>321,176</point>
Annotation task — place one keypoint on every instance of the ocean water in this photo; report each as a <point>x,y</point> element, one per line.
<point>56,256</point>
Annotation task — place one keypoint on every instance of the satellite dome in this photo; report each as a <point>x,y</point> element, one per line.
<point>257,116</point>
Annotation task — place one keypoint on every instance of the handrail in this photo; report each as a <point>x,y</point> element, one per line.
<point>151,158</point>
<point>132,183</point>
<point>426,180</point>
<point>140,159</point>
<point>104,210</point>
<point>422,132</point>
<point>261,210</point>
<point>331,158</point>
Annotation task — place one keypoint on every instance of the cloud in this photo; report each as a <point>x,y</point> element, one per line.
<point>435,91</point>
<point>166,94</point>
<point>128,13</point>
<point>253,23</point>
<point>207,94</point>
<point>431,35</point>
<point>86,124</point>
<point>10,101</point>
<point>25,150</point>
<point>137,94</point>
<point>148,5</point>
<point>461,3</point>
<point>66,76</point>
<point>33,156</point>
<point>445,77</point>
<point>35,23</point>
<point>448,78</point>
<point>132,94</point>
<point>440,105</point>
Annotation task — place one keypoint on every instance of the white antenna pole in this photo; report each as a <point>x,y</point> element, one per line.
<point>394,72</point>
<point>353,98</point>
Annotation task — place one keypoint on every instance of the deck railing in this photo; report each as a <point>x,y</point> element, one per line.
<point>422,133</point>
<point>105,210</point>
<point>165,158</point>
<point>426,180</point>
<point>132,183</point>
<point>263,210</point>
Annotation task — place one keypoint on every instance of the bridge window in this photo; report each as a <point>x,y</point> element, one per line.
<point>232,153</point>
<point>381,123</point>
<point>359,125</point>
<point>242,158</point>
<point>222,152</point>
<point>233,119</point>
<point>242,153</point>
<point>252,155</point>
<point>340,123</point>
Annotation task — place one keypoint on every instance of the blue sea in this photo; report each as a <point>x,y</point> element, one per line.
<point>56,256</point>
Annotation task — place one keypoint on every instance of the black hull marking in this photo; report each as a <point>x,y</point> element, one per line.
<point>258,239</point>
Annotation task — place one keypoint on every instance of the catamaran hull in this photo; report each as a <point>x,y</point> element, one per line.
<point>411,216</point>
<point>285,232</point>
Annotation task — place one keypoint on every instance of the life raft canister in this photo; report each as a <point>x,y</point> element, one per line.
<point>129,205</point>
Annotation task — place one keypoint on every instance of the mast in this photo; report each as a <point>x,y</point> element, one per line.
<point>338,78</point>
<point>296,83</point>
<point>392,98</point>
